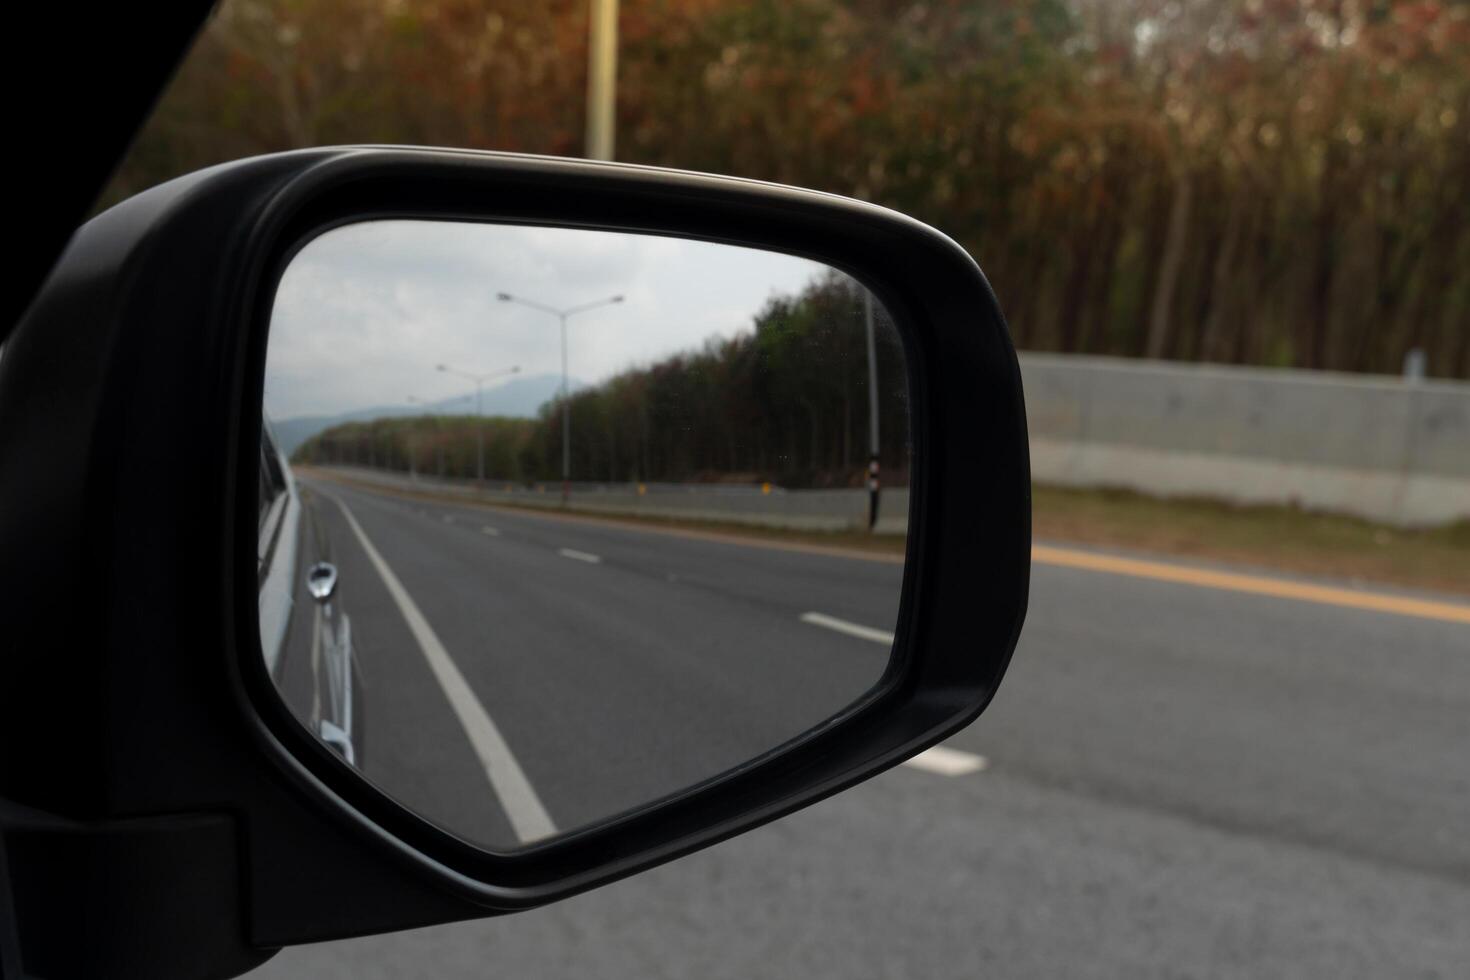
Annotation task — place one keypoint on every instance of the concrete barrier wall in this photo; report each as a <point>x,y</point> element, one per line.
<point>1377,447</point>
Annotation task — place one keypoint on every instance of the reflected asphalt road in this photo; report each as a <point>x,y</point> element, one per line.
<point>616,665</point>
<point>1182,782</point>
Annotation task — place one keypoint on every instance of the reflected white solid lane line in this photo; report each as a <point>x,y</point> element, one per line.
<point>851,629</point>
<point>316,664</point>
<point>527,815</point>
<point>948,762</point>
<point>490,531</point>
<point>575,555</point>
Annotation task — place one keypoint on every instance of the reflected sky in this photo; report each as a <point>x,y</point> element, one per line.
<point>365,312</point>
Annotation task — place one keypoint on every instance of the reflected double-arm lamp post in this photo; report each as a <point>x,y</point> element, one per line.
<point>427,405</point>
<point>413,442</point>
<point>479,380</point>
<point>566,407</point>
<point>873,484</point>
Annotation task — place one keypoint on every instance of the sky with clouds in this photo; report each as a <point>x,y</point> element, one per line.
<point>365,312</point>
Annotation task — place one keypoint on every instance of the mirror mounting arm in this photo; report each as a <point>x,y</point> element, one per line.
<point>136,897</point>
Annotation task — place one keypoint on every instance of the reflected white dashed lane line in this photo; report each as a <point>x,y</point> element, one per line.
<point>851,629</point>
<point>528,817</point>
<point>948,762</point>
<point>490,531</point>
<point>589,558</point>
<point>939,760</point>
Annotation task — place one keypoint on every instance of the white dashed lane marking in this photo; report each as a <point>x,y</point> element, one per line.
<point>948,762</point>
<point>589,558</point>
<point>851,629</point>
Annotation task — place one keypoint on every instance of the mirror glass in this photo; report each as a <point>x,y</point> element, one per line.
<point>555,523</point>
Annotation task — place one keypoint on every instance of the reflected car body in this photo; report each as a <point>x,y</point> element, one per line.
<point>305,633</point>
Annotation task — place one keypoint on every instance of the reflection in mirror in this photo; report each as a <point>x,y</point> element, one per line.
<point>555,523</point>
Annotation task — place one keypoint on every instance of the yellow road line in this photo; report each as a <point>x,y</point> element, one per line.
<point>1041,554</point>
<point>1255,584</point>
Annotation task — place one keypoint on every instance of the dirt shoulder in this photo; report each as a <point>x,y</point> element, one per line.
<point>1282,538</point>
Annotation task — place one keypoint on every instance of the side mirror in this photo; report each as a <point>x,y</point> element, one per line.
<point>321,581</point>
<point>177,320</point>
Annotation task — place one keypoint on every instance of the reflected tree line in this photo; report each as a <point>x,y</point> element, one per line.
<point>1278,182</point>
<point>785,402</point>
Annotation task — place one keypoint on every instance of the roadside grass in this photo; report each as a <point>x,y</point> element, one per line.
<point>1286,539</point>
<point>1283,539</point>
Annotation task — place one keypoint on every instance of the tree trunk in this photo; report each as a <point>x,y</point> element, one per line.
<point>1319,314</point>
<point>846,427</point>
<point>815,416</point>
<point>1096,314</point>
<point>1173,260</point>
<point>1318,325</point>
<point>1069,317</point>
<point>1212,345</point>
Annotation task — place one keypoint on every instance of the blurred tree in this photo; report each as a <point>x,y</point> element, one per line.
<point>1256,181</point>
<point>786,402</point>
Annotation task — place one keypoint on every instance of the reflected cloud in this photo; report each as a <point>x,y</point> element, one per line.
<point>365,311</point>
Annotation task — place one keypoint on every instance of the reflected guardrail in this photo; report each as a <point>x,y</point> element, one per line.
<point>755,506</point>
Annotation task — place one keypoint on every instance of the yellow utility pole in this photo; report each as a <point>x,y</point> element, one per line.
<point>602,78</point>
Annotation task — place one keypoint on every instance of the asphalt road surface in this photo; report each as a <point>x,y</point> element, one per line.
<point>615,666</point>
<point>1174,781</point>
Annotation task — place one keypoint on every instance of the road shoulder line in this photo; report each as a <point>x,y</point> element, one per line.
<point>850,629</point>
<point>518,798</point>
<point>1279,588</point>
<point>1041,554</point>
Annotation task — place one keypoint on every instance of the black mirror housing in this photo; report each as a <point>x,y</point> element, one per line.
<point>129,425</point>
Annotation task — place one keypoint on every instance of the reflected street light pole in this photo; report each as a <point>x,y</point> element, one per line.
<point>479,380</point>
<point>412,442</point>
<point>566,407</point>
<point>873,486</point>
